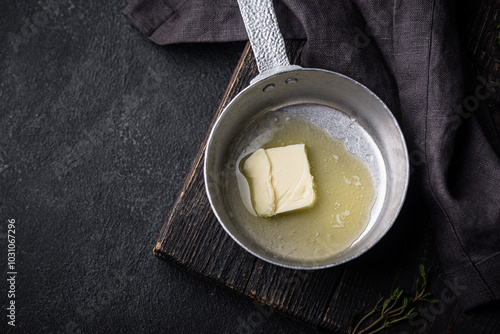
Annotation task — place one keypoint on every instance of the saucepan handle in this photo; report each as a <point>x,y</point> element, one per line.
<point>265,37</point>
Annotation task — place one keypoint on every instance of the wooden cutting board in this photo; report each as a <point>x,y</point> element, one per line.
<point>330,298</point>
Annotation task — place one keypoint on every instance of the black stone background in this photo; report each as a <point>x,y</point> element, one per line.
<point>98,127</point>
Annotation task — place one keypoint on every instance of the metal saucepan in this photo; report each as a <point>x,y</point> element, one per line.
<point>330,100</point>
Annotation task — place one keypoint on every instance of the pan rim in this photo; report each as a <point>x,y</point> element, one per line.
<point>312,266</point>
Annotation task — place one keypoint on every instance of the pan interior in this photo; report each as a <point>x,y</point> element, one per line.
<point>310,235</point>
<point>339,105</point>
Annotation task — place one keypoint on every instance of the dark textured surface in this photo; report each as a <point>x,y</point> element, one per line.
<point>88,181</point>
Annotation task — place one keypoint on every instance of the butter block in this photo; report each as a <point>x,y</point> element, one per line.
<point>258,169</point>
<point>280,179</point>
<point>291,177</point>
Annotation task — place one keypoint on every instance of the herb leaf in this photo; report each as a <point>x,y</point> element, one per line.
<point>395,309</point>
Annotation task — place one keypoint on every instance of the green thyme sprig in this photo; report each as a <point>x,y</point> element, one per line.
<point>496,27</point>
<point>398,307</point>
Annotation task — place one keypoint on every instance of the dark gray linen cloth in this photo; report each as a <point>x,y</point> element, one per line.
<point>408,54</point>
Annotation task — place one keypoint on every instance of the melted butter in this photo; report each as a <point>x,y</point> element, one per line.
<point>345,193</point>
